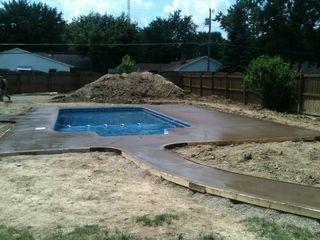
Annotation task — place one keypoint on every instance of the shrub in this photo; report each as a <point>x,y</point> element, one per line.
<point>128,65</point>
<point>158,220</point>
<point>271,79</point>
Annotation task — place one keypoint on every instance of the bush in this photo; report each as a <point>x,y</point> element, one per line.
<point>271,79</point>
<point>128,65</point>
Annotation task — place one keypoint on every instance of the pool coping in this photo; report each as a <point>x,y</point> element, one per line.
<point>151,153</point>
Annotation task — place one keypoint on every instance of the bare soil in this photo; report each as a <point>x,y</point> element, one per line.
<point>297,162</point>
<point>255,111</point>
<point>50,192</point>
<point>71,190</point>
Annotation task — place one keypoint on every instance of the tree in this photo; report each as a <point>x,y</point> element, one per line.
<point>237,52</point>
<point>24,22</point>
<point>217,45</point>
<point>95,33</point>
<point>175,29</point>
<point>292,26</point>
<point>271,79</point>
<point>127,65</point>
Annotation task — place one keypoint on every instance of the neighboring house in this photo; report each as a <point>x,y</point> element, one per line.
<point>307,67</point>
<point>199,64</point>
<point>79,62</point>
<point>18,59</point>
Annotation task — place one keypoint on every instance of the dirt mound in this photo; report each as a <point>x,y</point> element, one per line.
<point>126,88</point>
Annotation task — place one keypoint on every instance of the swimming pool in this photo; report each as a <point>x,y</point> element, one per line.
<point>116,121</point>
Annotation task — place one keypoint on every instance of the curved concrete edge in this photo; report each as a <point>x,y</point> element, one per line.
<point>240,141</point>
<point>284,207</point>
<point>5,132</point>
<point>290,208</point>
<point>62,150</point>
<point>298,210</point>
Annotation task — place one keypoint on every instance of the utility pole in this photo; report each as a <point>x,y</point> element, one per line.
<point>208,22</point>
<point>128,9</point>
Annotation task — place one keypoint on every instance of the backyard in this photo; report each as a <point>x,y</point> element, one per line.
<point>173,120</point>
<point>105,195</point>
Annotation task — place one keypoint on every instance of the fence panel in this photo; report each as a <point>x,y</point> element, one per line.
<point>231,86</point>
<point>236,90</point>
<point>174,77</point>
<point>221,84</point>
<point>310,94</point>
<point>35,82</point>
<point>186,82</point>
<point>207,80</point>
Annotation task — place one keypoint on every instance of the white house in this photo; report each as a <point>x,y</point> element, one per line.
<point>17,59</point>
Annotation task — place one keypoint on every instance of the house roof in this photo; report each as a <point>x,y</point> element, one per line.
<point>173,66</point>
<point>195,60</point>
<point>22,51</point>
<point>79,61</point>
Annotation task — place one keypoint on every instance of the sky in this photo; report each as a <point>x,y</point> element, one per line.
<point>143,11</point>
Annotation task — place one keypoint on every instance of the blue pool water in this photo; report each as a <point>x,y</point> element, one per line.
<point>116,121</point>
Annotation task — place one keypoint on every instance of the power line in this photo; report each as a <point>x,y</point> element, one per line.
<point>173,44</point>
<point>102,44</point>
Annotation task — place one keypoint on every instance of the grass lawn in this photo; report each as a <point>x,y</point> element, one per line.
<point>263,229</point>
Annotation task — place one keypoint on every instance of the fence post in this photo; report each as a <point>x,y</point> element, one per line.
<point>20,81</point>
<point>201,90</point>
<point>300,93</point>
<point>190,85</point>
<point>180,81</point>
<point>244,93</point>
<point>227,93</point>
<point>212,83</point>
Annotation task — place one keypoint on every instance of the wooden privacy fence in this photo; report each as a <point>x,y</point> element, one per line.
<point>35,82</point>
<point>309,94</point>
<point>220,84</point>
<point>204,84</point>
<point>231,86</point>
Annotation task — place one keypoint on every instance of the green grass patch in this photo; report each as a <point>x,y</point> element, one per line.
<point>9,233</point>
<point>90,232</point>
<point>203,237</point>
<point>270,230</point>
<point>158,220</point>
<point>95,232</point>
<point>210,237</point>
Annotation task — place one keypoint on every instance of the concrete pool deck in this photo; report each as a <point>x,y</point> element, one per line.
<point>149,152</point>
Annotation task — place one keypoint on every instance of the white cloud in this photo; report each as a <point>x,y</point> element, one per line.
<point>145,4</point>
<point>199,9</point>
<point>74,8</point>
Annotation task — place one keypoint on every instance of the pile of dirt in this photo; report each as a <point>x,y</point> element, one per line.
<point>126,88</point>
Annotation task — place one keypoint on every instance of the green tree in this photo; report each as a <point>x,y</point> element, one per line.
<point>271,79</point>
<point>237,52</point>
<point>174,29</point>
<point>128,65</point>
<point>98,36</point>
<point>292,26</point>
<point>25,22</point>
<point>217,45</point>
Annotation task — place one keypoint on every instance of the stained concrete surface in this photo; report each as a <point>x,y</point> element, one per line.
<point>148,151</point>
